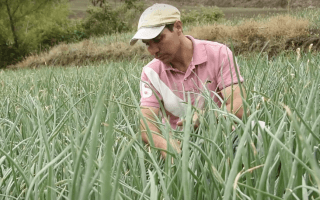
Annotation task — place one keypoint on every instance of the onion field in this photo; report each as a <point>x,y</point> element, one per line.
<point>73,133</point>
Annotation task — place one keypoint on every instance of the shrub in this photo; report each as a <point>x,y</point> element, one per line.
<point>7,52</point>
<point>203,15</point>
<point>103,20</point>
<point>107,20</point>
<point>54,33</point>
<point>53,27</point>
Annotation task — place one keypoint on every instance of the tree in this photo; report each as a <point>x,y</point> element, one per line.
<point>99,3</point>
<point>24,22</point>
<point>17,10</point>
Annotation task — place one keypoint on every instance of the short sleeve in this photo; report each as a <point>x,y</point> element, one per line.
<point>227,70</point>
<point>150,97</point>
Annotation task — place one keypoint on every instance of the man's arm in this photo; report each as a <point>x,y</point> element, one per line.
<point>237,107</point>
<point>149,114</point>
<point>226,93</point>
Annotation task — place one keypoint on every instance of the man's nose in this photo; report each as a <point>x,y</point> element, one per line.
<point>153,48</point>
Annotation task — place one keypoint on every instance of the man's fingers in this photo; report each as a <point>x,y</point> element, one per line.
<point>163,154</point>
<point>195,123</point>
<point>180,123</point>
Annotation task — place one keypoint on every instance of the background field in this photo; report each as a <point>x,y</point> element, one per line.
<point>79,7</point>
<point>73,133</point>
<point>231,8</point>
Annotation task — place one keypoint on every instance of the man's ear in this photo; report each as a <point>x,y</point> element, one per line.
<point>178,26</point>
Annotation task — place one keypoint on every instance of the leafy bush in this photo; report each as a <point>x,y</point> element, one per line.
<point>54,33</point>
<point>53,27</point>
<point>103,20</point>
<point>7,52</point>
<point>107,20</point>
<point>203,15</point>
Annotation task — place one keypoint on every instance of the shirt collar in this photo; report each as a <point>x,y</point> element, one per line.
<point>199,53</point>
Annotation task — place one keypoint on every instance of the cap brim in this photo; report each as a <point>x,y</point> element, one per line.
<point>146,33</point>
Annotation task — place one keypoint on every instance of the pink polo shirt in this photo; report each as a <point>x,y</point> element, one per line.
<point>210,68</point>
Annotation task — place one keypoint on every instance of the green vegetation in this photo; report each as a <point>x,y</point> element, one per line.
<point>203,14</point>
<point>31,27</point>
<point>26,25</point>
<point>28,29</point>
<point>73,133</point>
<point>108,19</point>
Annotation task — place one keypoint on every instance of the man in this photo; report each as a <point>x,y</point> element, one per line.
<point>183,67</point>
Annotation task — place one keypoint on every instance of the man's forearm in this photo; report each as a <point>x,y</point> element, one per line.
<point>157,138</point>
<point>148,120</point>
<point>236,109</point>
<point>234,103</point>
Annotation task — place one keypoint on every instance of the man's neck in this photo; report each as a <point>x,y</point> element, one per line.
<point>184,55</point>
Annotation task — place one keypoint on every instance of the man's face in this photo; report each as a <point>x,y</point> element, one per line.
<point>165,46</point>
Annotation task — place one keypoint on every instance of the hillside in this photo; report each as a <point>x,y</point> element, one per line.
<point>78,7</point>
<point>264,3</point>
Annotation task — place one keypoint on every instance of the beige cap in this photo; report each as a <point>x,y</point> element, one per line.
<point>153,20</point>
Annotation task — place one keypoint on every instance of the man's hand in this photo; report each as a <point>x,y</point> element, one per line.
<point>195,120</point>
<point>175,145</point>
<point>150,113</point>
<point>233,94</point>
